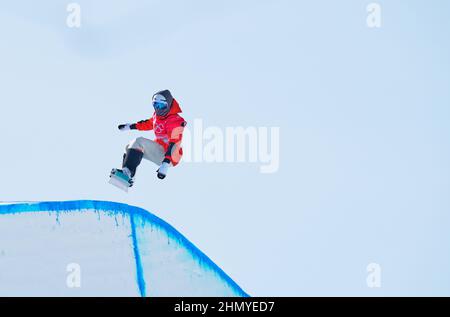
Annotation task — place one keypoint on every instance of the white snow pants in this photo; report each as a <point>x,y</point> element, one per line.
<point>153,151</point>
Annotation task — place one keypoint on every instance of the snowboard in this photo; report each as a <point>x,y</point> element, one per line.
<point>120,180</point>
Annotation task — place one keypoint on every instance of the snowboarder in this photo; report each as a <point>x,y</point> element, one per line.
<point>164,151</point>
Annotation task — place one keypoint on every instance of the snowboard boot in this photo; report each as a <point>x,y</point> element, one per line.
<point>132,160</point>
<point>124,178</point>
<point>124,175</point>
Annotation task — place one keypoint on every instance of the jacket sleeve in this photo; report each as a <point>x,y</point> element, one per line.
<point>144,125</point>
<point>175,127</point>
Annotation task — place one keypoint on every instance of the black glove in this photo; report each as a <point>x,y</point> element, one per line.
<point>127,127</point>
<point>162,171</point>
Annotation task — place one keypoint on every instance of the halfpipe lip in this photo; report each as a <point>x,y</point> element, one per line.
<point>117,208</point>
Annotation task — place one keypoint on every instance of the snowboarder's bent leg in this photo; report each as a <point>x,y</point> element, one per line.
<point>152,150</point>
<point>132,160</point>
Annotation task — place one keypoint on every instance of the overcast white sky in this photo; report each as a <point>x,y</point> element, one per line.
<point>363,114</point>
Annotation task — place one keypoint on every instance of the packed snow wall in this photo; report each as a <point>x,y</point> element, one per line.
<point>94,248</point>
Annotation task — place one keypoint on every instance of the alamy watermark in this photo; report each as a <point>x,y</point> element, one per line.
<point>374,277</point>
<point>73,279</point>
<point>74,18</point>
<point>374,15</point>
<point>232,145</point>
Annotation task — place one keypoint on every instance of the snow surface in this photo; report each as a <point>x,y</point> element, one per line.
<point>121,251</point>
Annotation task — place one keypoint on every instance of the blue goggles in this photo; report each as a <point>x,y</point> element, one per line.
<point>160,105</point>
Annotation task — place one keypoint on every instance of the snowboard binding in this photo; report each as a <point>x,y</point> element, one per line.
<point>120,179</point>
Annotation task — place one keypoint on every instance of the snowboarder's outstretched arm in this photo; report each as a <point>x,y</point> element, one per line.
<point>144,125</point>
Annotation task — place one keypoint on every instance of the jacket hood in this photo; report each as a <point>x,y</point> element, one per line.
<point>166,94</point>
<point>174,107</point>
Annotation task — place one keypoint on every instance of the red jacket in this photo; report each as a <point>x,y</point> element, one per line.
<point>168,129</point>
